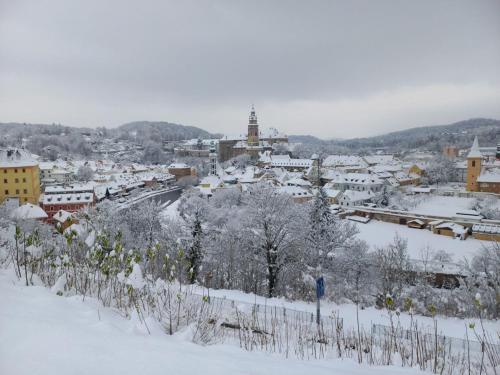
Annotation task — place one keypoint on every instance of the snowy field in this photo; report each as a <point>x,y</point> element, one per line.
<point>42,333</point>
<point>379,233</point>
<point>443,206</point>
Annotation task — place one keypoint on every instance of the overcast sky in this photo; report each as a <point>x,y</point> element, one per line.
<point>327,68</point>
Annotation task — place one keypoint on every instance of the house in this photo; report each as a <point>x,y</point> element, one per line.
<point>28,211</point>
<point>417,169</point>
<point>64,219</point>
<point>332,194</point>
<point>299,194</point>
<point>359,219</point>
<point>209,184</point>
<point>180,170</point>
<point>357,182</point>
<point>451,230</point>
<point>350,162</point>
<point>19,176</point>
<point>349,198</point>
<point>70,198</point>
<point>486,232</point>
<point>416,223</point>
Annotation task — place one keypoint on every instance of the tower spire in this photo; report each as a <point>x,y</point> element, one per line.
<point>474,150</point>
<point>253,128</point>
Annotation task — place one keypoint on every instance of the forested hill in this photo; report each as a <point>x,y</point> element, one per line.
<point>460,134</point>
<point>165,131</point>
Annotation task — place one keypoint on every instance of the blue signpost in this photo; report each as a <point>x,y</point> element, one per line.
<point>320,292</point>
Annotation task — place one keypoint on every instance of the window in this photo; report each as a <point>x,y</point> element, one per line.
<point>5,181</point>
<point>15,170</point>
<point>6,192</point>
<point>25,191</point>
<point>5,171</point>
<point>473,163</point>
<point>17,191</point>
<point>24,179</point>
<point>25,199</point>
<point>24,170</point>
<point>17,180</point>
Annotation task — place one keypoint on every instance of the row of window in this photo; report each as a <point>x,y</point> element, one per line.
<point>15,170</point>
<point>25,191</point>
<point>15,180</point>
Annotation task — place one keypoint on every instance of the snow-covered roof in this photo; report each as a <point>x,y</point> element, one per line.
<point>287,161</point>
<point>211,182</point>
<point>358,219</point>
<point>357,196</point>
<point>297,182</point>
<point>55,199</point>
<point>379,159</point>
<point>486,228</point>
<point>178,166</point>
<point>357,178</point>
<point>344,160</point>
<point>63,216</point>
<point>416,221</point>
<point>421,189</point>
<point>16,157</point>
<point>489,177</point>
<point>474,151</point>
<point>456,228</point>
<point>295,191</point>
<point>75,188</point>
<point>28,211</point>
<point>331,193</point>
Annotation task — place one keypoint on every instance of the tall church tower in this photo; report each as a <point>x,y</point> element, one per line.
<point>212,161</point>
<point>474,160</point>
<point>253,129</point>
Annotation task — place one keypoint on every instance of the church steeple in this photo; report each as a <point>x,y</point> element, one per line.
<point>474,166</point>
<point>252,119</point>
<point>253,129</point>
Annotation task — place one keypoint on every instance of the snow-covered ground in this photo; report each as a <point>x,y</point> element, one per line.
<point>42,333</point>
<point>379,233</point>
<point>170,211</point>
<point>443,206</point>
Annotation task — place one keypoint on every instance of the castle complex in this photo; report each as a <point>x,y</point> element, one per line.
<point>253,144</point>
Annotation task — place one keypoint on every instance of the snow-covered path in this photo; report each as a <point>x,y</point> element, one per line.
<point>42,333</point>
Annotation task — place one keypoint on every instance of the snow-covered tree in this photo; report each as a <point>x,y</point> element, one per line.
<point>84,173</point>
<point>393,265</point>
<point>277,223</point>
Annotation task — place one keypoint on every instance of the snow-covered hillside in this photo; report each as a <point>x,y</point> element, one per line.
<point>43,333</point>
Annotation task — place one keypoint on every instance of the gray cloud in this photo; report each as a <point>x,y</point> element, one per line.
<point>329,68</point>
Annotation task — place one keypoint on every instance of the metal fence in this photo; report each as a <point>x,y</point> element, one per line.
<point>264,310</point>
<point>457,344</point>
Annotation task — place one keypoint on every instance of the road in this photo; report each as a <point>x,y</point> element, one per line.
<point>162,197</point>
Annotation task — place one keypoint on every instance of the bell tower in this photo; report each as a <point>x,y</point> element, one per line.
<point>474,159</point>
<point>212,156</point>
<point>253,129</point>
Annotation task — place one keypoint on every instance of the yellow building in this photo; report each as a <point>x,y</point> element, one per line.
<point>474,160</point>
<point>416,169</point>
<point>19,176</point>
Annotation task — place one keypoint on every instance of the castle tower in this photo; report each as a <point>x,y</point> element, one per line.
<point>212,157</point>
<point>474,160</point>
<point>253,129</point>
